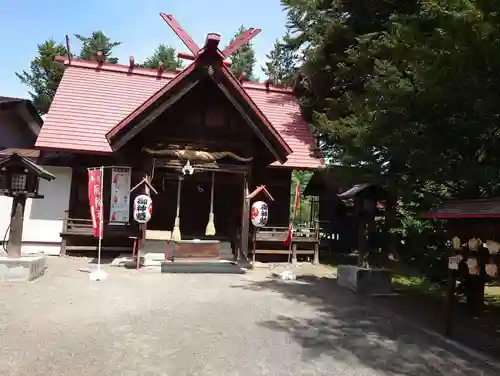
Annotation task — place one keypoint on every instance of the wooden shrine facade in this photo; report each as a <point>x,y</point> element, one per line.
<point>189,134</point>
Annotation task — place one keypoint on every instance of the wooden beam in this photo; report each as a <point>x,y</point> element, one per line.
<point>191,57</point>
<point>212,42</point>
<point>240,41</point>
<point>161,68</point>
<point>147,183</point>
<point>100,57</point>
<point>245,219</point>
<point>181,33</point>
<point>153,115</point>
<point>68,50</point>
<point>260,188</point>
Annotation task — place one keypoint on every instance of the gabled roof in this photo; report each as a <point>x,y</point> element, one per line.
<point>18,160</point>
<point>335,180</point>
<point>29,153</point>
<point>94,101</point>
<point>25,109</point>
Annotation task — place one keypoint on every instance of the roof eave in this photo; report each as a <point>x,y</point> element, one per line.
<point>28,164</point>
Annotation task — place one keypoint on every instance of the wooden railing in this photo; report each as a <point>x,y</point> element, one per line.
<point>279,233</point>
<point>270,240</point>
<point>83,226</point>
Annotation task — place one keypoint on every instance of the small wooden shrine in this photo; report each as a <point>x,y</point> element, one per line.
<point>348,212</point>
<point>473,231</point>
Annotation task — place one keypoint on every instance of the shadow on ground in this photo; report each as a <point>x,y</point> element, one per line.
<point>352,329</point>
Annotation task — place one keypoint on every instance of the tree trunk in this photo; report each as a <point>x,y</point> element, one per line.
<point>389,248</point>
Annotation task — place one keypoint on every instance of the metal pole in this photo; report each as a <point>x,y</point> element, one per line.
<point>101,222</point>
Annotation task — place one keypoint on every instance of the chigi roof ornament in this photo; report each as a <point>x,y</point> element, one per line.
<point>233,46</point>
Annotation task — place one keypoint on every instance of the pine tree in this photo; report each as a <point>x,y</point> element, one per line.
<point>98,41</point>
<point>282,62</point>
<point>243,60</point>
<point>166,55</point>
<point>44,74</point>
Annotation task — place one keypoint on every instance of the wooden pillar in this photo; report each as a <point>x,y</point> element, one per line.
<point>316,244</point>
<point>16,227</point>
<point>294,253</point>
<point>361,239</point>
<point>245,220</point>
<point>450,304</point>
<point>64,230</point>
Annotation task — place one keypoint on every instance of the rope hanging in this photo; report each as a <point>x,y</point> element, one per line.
<point>210,230</point>
<point>176,232</point>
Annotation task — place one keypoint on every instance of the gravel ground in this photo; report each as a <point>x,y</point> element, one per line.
<point>144,323</point>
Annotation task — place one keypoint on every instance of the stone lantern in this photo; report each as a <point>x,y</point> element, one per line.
<point>19,179</point>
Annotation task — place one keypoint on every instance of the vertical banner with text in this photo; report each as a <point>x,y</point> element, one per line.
<point>119,212</point>
<point>95,200</point>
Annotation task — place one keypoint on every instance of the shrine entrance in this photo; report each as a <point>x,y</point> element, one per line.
<point>195,203</point>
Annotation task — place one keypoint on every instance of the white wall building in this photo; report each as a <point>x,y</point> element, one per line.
<point>43,218</point>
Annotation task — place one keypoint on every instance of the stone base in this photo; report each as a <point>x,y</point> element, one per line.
<point>365,281</point>
<point>26,268</point>
<point>201,267</point>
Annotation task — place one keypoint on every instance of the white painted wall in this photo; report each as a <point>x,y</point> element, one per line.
<point>42,217</point>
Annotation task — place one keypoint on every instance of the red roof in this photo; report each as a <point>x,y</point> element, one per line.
<point>466,209</point>
<point>85,108</point>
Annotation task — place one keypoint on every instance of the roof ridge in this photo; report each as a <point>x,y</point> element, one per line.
<point>150,72</point>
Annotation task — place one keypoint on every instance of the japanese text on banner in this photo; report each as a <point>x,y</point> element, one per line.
<point>95,200</point>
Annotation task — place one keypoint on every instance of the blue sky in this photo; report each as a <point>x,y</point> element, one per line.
<point>137,24</point>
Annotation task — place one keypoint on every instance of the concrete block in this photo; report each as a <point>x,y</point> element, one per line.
<point>25,268</point>
<point>365,281</point>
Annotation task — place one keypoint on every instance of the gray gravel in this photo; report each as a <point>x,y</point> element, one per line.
<point>145,323</point>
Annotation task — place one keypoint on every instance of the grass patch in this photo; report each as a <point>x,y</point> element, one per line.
<point>422,286</point>
<point>492,296</point>
<point>416,284</point>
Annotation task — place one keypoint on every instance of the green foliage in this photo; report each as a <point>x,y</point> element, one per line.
<point>408,90</point>
<point>98,41</point>
<point>163,54</point>
<point>282,62</point>
<point>244,60</point>
<point>304,209</point>
<point>44,74</point>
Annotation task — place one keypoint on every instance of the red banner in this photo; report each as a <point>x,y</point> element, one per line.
<point>289,234</point>
<point>95,200</point>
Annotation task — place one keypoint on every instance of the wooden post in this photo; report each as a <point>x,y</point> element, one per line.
<point>294,253</point>
<point>245,221</point>
<point>64,230</point>
<point>16,227</point>
<point>254,246</point>
<point>316,245</point>
<point>450,304</point>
